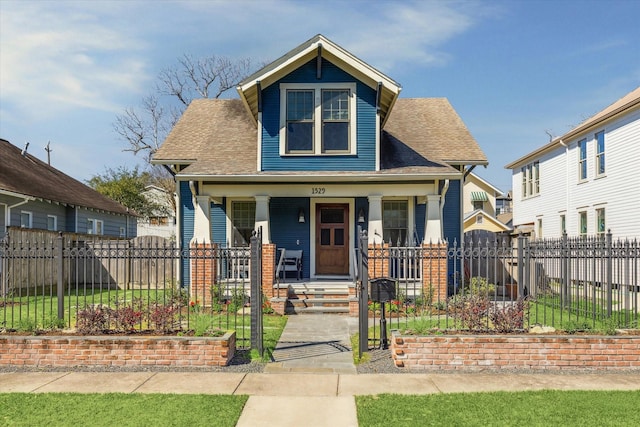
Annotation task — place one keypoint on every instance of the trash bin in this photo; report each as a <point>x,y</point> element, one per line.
<point>382,289</point>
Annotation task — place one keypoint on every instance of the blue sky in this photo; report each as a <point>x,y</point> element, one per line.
<point>513,70</point>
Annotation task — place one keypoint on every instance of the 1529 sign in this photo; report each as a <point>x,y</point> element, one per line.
<point>318,190</point>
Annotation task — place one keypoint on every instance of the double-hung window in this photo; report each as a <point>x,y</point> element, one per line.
<point>52,222</point>
<point>583,223</point>
<point>26,219</point>
<point>582,160</point>
<point>395,222</point>
<point>243,219</point>
<point>317,119</point>
<point>600,221</point>
<point>95,226</point>
<point>599,137</point>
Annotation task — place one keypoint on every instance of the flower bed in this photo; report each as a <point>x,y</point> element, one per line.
<point>517,351</point>
<point>143,351</point>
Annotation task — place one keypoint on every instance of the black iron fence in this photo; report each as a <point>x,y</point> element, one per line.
<point>502,285</point>
<point>51,282</point>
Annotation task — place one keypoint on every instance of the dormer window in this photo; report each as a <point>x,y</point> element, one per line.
<point>317,119</point>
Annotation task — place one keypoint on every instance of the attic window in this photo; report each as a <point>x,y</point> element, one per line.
<point>317,119</point>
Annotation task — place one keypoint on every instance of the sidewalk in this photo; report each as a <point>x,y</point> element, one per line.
<point>312,381</point>
<point>328,396</point>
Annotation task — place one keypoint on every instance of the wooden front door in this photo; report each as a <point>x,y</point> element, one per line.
<point>332,239</point>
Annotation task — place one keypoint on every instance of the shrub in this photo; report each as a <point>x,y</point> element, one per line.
<point>510,318</point>
<point>471,311</point>
<point>480,286</point>
<point>238,300</point>
<point>93,319</point>
<point>162,317</point>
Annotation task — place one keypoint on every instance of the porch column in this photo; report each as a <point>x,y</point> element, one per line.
<point>262,218</point>
<point>375,219</point>
<point>201,220</point>
<point>433,220</point>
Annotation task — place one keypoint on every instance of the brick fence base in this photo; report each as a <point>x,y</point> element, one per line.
<point>536,352</point>
<point>127,351</point>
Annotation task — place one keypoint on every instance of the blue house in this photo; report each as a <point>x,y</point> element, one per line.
<point>318,144</point>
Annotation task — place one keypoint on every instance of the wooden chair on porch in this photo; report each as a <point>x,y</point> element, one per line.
<point>290,260</point>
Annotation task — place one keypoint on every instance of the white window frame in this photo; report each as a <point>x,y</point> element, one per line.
<point>29,216</point>
<point>55,222</point>
<point>600,155</point>
<point>601,214</point>
<point>95,226</point>
<point>583,214</point>
<point>231,219</point>
<point>317,128</point>
<point>583,160</point>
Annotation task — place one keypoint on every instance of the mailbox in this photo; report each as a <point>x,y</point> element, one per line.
<point>382,289</point>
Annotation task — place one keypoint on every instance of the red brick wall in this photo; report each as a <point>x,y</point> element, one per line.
<point>269,269</point>
<point>434,270</point>
<point>117,351</point>
<point>537,352</point>
<point>203,272</point>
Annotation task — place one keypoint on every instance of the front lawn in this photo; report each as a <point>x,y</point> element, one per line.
<point>113,409</point>
<point>528,408</point>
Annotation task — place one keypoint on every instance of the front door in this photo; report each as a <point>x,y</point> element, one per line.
<point>332,239</point>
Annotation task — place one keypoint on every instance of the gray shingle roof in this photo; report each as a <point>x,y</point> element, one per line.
<point>218,137</point>
<point>30,176</point>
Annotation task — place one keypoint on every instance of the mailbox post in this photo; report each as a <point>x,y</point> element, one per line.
<point>383,290</point>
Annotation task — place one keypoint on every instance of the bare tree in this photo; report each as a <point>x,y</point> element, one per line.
<point>144,129</point>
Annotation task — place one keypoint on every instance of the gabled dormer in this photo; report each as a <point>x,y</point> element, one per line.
<point>318,108</point>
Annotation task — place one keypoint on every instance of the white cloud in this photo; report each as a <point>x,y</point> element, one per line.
<point>62,55</point>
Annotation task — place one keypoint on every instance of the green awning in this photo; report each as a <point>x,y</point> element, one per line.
<point>479,196</point>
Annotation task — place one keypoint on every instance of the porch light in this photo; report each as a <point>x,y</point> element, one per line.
<point>301,215</point>
<point>361,216</point>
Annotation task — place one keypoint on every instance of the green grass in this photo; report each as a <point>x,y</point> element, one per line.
<point>113,409</point>
<point>530,408</point>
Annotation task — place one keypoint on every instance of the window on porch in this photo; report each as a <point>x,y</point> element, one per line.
<point>243,218</point>
<point>395,222</point>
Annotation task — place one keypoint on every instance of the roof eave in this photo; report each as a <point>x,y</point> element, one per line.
<point>257,178</point>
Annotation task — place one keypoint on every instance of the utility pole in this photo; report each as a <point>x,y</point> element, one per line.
<point>48,150</point>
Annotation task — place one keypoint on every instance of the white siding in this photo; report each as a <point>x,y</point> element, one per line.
<point>617,191</point>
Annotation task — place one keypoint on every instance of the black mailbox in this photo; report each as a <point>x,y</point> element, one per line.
<point>382,290</point>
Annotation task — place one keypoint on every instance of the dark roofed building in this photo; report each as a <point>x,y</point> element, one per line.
<point>35,195</point>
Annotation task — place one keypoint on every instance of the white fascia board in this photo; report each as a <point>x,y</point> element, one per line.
<point>310,177</point>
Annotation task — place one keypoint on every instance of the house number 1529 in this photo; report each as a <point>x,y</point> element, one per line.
<point>317,190</point>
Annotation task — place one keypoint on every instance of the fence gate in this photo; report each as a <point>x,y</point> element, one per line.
<point>363,291</point>
<point>257,297</point>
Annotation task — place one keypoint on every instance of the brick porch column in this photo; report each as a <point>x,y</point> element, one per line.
<point>202,272</point>
<point>434,270</point>
<point>268,269</point>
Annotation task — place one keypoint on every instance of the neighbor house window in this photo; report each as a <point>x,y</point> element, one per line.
<point>582,223</point>
<point>26,219</point>
<point>531,179</point>
<point>563,224</point>
<point>479,219</point>
<point>582,162</point>
<point>539,231</point>
<point>95,226</point>
<point>52,222</point>
<point>317,119</point>
<point>395,222</point>
<point>478,204</point>
<point>601,225</point>
<point>243,219</point>
<point>122,232</point>
<point>600,153</point>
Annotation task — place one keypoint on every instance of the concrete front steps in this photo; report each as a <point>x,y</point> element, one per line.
<point>323,297</point>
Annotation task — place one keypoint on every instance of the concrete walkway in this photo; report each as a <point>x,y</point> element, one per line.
<point>312,382</point>
<point>315,344</point>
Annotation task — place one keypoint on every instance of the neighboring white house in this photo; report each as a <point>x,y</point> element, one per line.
<point>586,181</point>
<point>479,205</point>
<point>162,222</point>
